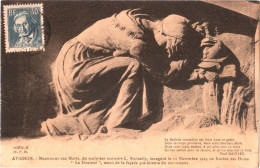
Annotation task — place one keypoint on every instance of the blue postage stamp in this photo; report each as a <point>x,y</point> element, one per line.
<point>23,27</point>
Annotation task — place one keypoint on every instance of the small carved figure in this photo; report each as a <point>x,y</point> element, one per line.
<point>212,68</point>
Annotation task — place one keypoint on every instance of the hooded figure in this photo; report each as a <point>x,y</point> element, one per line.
<point>98,75</point>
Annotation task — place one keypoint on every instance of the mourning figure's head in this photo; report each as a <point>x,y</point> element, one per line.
<point>24,24</point>
<point>171,33</point>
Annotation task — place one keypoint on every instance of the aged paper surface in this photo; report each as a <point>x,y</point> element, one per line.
<point>129,84</point>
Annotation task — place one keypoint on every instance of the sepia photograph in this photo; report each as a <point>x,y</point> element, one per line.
<point>129,84</point>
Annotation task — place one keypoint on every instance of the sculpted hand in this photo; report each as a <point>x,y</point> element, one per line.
<point>175,68</point>
<point>173,46</point>
<point>197,74</point>
<point>211,76</point>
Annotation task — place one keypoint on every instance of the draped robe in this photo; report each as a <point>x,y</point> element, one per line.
<point>98,76</point>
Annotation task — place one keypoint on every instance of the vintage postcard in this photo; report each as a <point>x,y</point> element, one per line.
<point>23,27</point>
<point>130,84</point>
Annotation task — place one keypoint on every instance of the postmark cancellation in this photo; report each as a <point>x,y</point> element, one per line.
<point>24,27</point>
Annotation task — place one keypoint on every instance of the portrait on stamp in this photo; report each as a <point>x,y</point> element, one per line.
<point>23,28</point>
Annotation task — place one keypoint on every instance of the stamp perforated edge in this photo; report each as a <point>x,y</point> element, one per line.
<point>27,49</point>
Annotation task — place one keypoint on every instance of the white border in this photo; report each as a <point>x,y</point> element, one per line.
<point>27,49</point>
